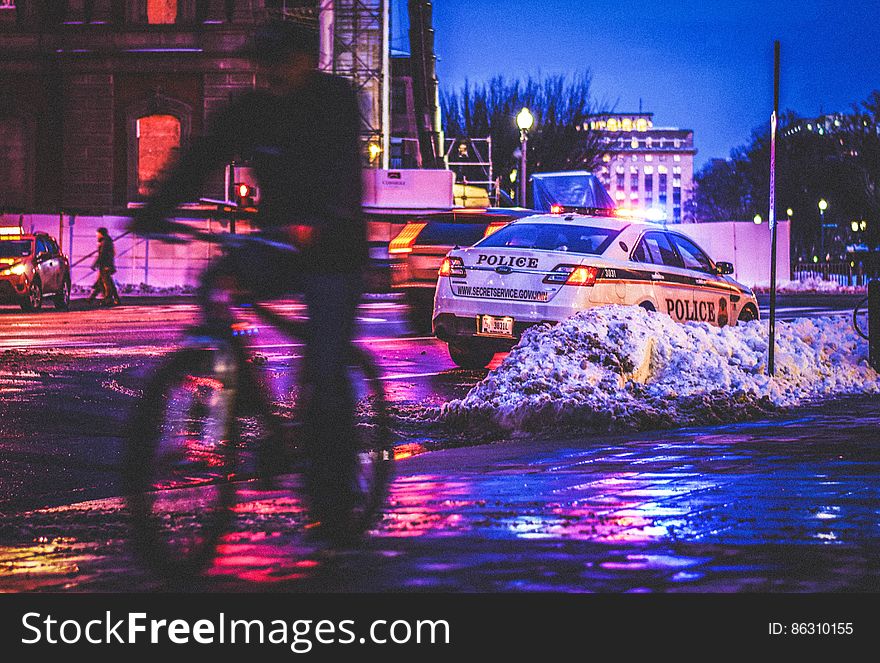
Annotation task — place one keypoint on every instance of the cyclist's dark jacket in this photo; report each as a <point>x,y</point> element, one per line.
<point>304,147</point>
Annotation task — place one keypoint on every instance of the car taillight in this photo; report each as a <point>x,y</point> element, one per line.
<point>573,275</point>
<point>451,267</point>
<point>556,209</point>
<point>405,239</point>
<point>495,226</point>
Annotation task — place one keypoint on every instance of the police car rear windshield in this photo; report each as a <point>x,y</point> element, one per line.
<point>552,237</point>
<point>18,248</point>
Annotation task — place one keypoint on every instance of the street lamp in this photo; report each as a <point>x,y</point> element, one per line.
<point>789,213</point>
<point>757,219</point>
<point>823,205</point>
<point>524,121</point>
<point>855,226</point>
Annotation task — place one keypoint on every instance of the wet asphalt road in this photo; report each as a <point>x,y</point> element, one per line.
<point>68,381</point>
<point>788,504</point>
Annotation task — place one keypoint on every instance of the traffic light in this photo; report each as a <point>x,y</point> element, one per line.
<point>245,194</point>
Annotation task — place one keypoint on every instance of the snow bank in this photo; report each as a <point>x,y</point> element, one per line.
<point>614,367</point>
<point>812,285</point>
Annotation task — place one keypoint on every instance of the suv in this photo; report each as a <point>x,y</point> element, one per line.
<point>31,267</point>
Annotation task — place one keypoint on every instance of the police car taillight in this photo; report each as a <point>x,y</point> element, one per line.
<point>452,267</point>
<point>405,239</point>
<point>573,275</point>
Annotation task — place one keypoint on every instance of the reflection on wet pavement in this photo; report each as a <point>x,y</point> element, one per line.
<point>789,505</point>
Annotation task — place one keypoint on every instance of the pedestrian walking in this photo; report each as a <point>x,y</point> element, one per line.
<point>105,264</point>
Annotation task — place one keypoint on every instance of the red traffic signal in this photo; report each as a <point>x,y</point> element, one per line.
<point>245,194</point>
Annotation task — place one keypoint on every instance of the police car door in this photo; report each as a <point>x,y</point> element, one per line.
<point>673,284</point>
<point>711,291</point>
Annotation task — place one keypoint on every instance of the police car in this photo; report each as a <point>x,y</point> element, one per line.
<point>545,268</point>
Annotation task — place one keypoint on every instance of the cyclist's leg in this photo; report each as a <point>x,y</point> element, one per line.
<point>332,304</point>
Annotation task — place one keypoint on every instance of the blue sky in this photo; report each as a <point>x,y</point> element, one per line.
<point>706,66</point>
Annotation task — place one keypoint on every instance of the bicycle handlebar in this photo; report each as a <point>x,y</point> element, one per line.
<point>224,239</point>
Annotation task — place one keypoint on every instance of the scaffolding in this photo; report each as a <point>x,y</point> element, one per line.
<point>358,49</point>
<point>471,161</point>
<point>354,38</point>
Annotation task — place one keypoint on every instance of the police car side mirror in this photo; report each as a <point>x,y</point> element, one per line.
<point>724,267</point>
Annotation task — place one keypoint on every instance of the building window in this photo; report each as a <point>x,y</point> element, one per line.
<point>634,182</point>
<point>14,162</point>
<point>676,157</point>
<point>161,12</point>
<point>676,170</point>
<point>649,157</point>
<point>158,142</point>
<point>7,4</point>
<point>620,180</point>
<point>634,143</point>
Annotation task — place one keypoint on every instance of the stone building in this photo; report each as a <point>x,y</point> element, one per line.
<point>97,95</point>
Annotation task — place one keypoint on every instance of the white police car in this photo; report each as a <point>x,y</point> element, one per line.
<point>545,268</point>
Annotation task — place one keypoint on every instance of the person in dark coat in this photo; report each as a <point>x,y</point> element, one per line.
<point>105,264</point>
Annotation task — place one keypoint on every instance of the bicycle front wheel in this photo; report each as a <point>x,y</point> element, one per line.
<point>180,460</point>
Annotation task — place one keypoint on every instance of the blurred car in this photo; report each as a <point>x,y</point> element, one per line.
<point>547,267</point>
<point>32,267</point>
<point>420,246</point>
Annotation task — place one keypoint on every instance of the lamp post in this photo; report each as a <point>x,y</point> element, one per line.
<point>524,121</point>
<point>823,205</point>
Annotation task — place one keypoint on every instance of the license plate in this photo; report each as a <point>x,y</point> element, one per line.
<point>489,325</point>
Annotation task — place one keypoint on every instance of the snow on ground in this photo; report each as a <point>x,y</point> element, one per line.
<point>812,285</point>
<point>621,367</point>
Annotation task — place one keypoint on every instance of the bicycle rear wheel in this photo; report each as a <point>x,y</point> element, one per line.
<point>375,447</point>
<point>180,457</point>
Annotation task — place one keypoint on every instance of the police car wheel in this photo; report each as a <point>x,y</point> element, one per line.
<point>648,306</point>
<point>746,315</point>
<point>468,356</point>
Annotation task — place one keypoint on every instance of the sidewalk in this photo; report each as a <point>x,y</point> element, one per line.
<point>786,505</point>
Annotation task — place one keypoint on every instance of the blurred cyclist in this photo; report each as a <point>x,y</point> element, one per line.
<point>301,135</point>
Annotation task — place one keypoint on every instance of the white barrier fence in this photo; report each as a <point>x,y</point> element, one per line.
<point>138,261</point>
<point>160,265</point>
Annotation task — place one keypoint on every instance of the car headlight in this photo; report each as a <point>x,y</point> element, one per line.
<point>18,270</point>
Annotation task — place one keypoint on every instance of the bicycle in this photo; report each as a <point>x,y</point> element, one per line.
<point>200,405</point>
<point>860,318</point>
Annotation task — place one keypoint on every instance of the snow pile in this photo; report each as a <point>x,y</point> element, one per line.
<point>813,285</point>
<point>615,367</point>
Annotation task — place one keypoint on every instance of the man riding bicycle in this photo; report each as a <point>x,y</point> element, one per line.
<point>301,135</point>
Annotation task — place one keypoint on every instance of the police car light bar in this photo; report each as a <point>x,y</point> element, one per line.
<point>585,211</point>
<point>10,230</point>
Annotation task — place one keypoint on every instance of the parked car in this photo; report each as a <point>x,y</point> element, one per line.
<point>545,268</point>
<point>32,267</point>
<point>420,246</point>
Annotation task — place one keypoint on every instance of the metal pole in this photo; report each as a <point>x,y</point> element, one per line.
<point>524,145</point>
<point>771,360</point>
<point>874,324</point>
<point>822,234</point>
